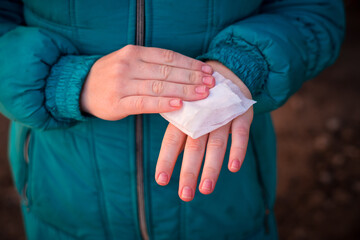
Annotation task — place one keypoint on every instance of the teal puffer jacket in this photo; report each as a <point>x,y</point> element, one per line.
<point>77,175</point>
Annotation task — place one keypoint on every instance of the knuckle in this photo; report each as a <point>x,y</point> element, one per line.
<point>129,52</point>
<point>194,145</point>
<point>212,171</point>
<point>164,165</point>
<point>240,148</point>
<point>169,56</point>
<point>185,90</point>
<point>217,142</point>
<point>189,176</point>
<point>130,48</point>
<point>140,104</point>
<point>171,139</point>
<point>240,130</point>
<point>165,71</point>
<point>193,77</point>
<point>157,87</point>
<point>122,67</point>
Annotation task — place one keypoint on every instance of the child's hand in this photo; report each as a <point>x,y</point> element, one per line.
<point>175,142</point>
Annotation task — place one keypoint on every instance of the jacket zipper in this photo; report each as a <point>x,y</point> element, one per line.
<point>140,40</point>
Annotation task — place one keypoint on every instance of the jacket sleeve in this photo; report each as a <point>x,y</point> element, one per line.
<point>41,73</point>
<point>276,50</point>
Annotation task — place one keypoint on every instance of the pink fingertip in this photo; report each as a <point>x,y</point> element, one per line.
<point>175,103</point>
<point>186,193</point>
<point>201,89</point>
<point>162,179</point>
<point>235,165</point>
<point>207,69</point>
<point>206,185</point>
<point>208,80</point>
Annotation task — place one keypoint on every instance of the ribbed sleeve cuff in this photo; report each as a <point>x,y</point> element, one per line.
<point>64,86</point>
<point>245,60</point>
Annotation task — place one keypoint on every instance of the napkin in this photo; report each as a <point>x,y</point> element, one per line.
<point>224,103</point>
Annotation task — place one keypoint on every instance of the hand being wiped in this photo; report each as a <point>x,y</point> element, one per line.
<point>175,141</point>
<point>224,103</point>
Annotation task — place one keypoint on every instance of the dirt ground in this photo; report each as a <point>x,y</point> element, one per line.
<point>318,133</point>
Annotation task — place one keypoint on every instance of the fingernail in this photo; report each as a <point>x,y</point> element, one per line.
<point>187,193</point>
<point>201,89</point>
<point>207,185</point>
<point>235,165</point>
<point>206,69</point>
<point>175,103</point>
<point>208,80</point>
<point>163,178</point>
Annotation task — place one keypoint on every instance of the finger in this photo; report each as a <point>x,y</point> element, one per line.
<point>169,73</point>
<point>240,130</point>
<point>166,89</point>
<point>169,57</point>
<point>190,168</point>
<point>171,147</point>
<point>146,104</point>
<point>215,153</point>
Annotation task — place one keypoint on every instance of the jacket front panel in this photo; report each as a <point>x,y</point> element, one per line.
<point>109,146</point>
<point>102,28</point>
<point>238,199</point>
<point>77,175</point>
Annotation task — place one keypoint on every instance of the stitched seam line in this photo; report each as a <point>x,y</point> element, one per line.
<point>208,27</point>
<point>73,18</point>
<point>50,23</point>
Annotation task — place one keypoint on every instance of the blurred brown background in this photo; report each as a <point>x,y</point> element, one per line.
<point>318,154</point>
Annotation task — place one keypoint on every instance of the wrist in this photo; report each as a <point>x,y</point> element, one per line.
<point>227,73</point>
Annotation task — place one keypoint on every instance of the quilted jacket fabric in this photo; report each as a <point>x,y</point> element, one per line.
<point>77,175</point>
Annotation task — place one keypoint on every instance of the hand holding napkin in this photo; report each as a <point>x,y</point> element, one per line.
<point>224,103</point>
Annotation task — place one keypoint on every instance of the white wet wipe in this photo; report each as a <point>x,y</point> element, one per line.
<point>224,103</point>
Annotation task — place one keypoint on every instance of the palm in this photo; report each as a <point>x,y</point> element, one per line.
<point>175,141</point>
